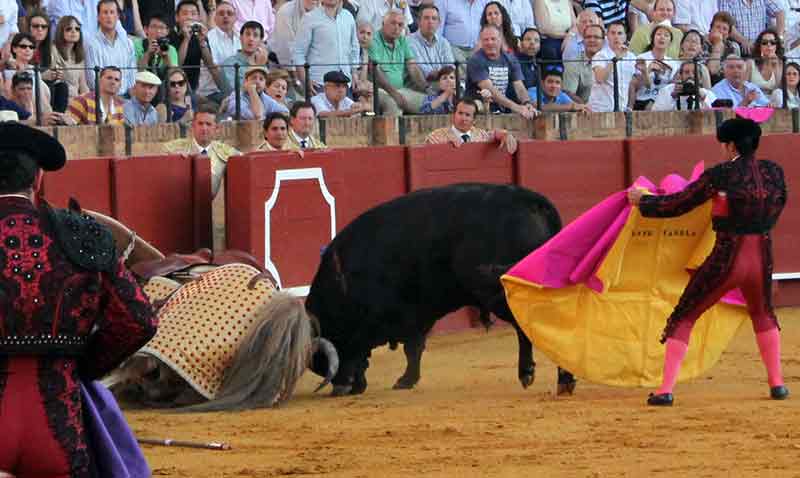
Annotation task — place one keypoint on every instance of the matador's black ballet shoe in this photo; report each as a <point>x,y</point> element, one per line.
<point>660,400</point>
<point>779,393</point>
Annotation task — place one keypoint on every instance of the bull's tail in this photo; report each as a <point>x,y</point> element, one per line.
<point>270,359</point>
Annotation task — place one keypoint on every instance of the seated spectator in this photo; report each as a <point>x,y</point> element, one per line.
<point>69,55</point>
<point>179,106</point>
<point>494,13</point>
<point>110,46</point>
<point>190,38</point>
<point>752,18</point>
<point>138,111</point>
<point>573,44</point>
<point>301,121</point>
<point>463,129</point>
<point>22,95</point>
<point>22,48</point>
<point>83,110</point>
<point>764,69</point>
<point>278,85</point>
<point>223,42</point>
<point>734,87</point>
<point>555,19</point>
<point>254,103</point>
<point>9,105</point>
<point>442,102</point>
<point>578,74</point>
<point>601,98</point>
<point>526,56</point>
<point>691,49</point>
<point>154,52</point>
<point>253,53</point>
<point>39,26</point>
<point>495,76</point>
<point>396,61</point>
<point>276,127</point>
<point>792,81</point>
<point>432,51</point>
<point>663,12</point>
<point>287,22</point>
<point>362,86</point>
<point>684,93</point>
<point>333,101</point>
<point>654,69</point>
<point>553,98</point>
<point>722,45</point>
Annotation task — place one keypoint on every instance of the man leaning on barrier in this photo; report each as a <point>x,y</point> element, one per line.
<point>201,142</point>
<point>462,130</point>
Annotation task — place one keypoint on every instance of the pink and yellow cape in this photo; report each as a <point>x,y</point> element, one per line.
<point>595,298</point>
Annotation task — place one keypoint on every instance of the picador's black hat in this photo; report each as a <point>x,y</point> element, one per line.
<point>737,129</point>
<point>46,150</point>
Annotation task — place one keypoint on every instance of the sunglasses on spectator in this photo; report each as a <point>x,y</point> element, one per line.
<point>26,45</point>
<point>769,42</point>
<point>176,84</point>
<point>39,26</point>
<point>73,29</point>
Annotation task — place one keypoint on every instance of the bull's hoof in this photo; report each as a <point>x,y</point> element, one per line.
<point>566,388</point>
<point>359,386</point>
<point>404,383</point>
<point>526,379</point>
<point>341,390</point>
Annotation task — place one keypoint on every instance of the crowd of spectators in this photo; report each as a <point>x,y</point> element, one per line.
<point>143,62</point>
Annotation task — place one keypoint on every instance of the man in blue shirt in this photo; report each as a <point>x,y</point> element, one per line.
<point>138,110</point>
<point>553,97</point>
<point>735,88</point>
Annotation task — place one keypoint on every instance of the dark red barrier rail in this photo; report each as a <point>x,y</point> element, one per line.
<point>87,180</point>
<point>442,164</point>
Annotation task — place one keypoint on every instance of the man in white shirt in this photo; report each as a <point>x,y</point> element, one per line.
<point>679,95</point>
<point>695,15</point>
<point>8,20</point>
<point>224,41</point>
<point>111,46</point>
<point>372,11</point>
<point>601,98</point>
<point>333,100</point>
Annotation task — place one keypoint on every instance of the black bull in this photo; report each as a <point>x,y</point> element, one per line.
<point>398,268</point>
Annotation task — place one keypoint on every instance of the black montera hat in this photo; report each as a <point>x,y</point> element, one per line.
<point>737,129</point>
<point>45,149</point>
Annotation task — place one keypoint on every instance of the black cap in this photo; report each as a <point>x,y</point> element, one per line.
<point>736,129</point>
<point>335,76</point>
<point>46,150</point>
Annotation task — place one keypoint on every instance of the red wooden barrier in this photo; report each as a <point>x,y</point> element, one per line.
<point>439,165</point>
<point>574,175</point>
<point>162,198</point>
<point>87,180</point>
<point>782,148</point>
<point>284,208</point>
<point>658,156</point>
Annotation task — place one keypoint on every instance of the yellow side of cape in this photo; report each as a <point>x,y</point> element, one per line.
<point>613,337</point>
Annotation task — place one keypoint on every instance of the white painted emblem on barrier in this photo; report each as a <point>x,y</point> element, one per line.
<point>293,175</point>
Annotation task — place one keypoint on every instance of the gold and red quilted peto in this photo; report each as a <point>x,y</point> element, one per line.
<point>203,322</point>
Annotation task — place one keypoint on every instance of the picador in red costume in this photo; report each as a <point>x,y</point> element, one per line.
<point>747,196</point>
<point>69,311</point>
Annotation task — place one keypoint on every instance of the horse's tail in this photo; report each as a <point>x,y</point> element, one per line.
<point>270,359</point>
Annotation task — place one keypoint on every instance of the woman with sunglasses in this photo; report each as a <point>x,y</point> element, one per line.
<point>178,100</point>
<point>39,26</point>
<point>792,88</point>
<point>765,70</point>
<point>68,55</point>
<point>23,46</point>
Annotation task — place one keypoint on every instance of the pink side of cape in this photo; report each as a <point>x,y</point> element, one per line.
<point>574,255</point>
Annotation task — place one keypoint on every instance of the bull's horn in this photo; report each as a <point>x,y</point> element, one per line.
<point>329,350</point>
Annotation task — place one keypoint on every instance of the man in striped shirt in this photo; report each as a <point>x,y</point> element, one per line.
<point>82,110</point>
<point>611,11</point>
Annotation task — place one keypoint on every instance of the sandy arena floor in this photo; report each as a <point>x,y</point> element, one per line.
<point>470,417</point>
